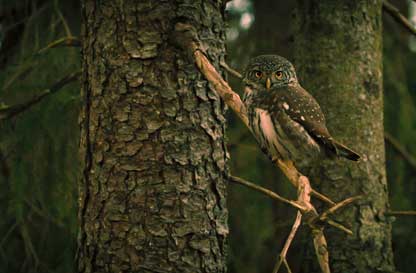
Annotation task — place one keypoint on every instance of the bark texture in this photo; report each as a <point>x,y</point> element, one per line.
<point>152,193</point>
<point>338,55</point>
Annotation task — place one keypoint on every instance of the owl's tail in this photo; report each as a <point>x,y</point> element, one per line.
<point>346,152</point>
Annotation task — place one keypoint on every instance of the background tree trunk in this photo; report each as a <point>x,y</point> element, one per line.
<point>152,194</point>
<point>338,52</point>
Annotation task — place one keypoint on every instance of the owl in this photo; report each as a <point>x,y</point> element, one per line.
<point>286,120</point>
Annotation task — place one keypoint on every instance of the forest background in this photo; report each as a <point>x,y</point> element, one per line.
<point>39,163</point>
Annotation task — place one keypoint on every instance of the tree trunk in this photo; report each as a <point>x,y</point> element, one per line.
<point>152,193</point>
<point>338,48</point>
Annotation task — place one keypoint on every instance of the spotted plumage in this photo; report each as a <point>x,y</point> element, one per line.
<point>286,120</point>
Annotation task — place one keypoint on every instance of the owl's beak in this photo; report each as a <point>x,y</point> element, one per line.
<point>268,83</point>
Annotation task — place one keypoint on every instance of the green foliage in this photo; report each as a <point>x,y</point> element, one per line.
<point>39,148</point>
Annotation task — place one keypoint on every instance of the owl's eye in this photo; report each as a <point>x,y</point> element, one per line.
<point>279,75</point>
<point>258,74</point>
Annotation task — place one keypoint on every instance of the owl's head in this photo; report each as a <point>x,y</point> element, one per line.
<point>270,71</point>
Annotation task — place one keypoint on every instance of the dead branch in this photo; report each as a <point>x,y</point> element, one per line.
<point>265,191</point>
<point>401,213</point>
<point>338,206</point>
<point>339,226</point>
<point>319,241</point>
<point>398,17</point>
<point>321,249</point>
<point>11,111</point>
<point>282,256</point>
<point>304,193</point>
<point>298,205</point>
<point>400,149</point>
<point>233,72</point>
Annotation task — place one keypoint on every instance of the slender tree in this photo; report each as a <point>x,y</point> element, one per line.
<point>152,192</point>
<point>338,48</point>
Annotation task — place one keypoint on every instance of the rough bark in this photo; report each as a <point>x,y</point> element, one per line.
<point>338,52</point>
<point>152,192</point>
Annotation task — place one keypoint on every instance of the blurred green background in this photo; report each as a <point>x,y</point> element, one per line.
<point>38,148</point>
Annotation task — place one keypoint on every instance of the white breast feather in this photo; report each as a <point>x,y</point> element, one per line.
<point>268,130</point>
<point>266,125</point>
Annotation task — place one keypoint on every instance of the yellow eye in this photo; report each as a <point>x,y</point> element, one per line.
<point>258,74</point>
<point>279,75</point>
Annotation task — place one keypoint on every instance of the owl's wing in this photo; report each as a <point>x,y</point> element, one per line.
<point>301,107</point>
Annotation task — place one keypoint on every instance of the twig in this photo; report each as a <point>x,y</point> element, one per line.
<point>23,70</point>
<point>62,18</point>
<point>26,66</point>
<point>65,41</point>
<point>27,240</point>
<point>282,256</point>
<point>338,226</point>
<point>287,266</point>
<point>297,205</point>
<point>338,206</point>
<point>321,249</point>
<point>400,18</point>
<point>267,192</point>
<point>400,149</point>
<point>322,197</point>
<point>304,197</point>
<point>319,241</point>
<point>401,212</point>
<point>235,73</point>
<point>11,111</point>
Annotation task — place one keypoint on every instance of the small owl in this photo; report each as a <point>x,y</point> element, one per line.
<point>286,120</point>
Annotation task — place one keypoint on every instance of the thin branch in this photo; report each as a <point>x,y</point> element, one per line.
<point>62,18</point>
<point>26,66</point>
<point>265,191</point>
<point>400,149</point>
<point>233,72</point>
<point>322,197</point>
<point>400,18</point>
<point>304,197</point>
<point>401,212</point>
<point>338,206</point>
<point>282,255</point>
<point>338,226</point>
<point>321,249</point>
<point>69,41</point>
<point>300,206</point>
<point>11,111</point>
<point>287,266</point>
<point>319,241</point>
